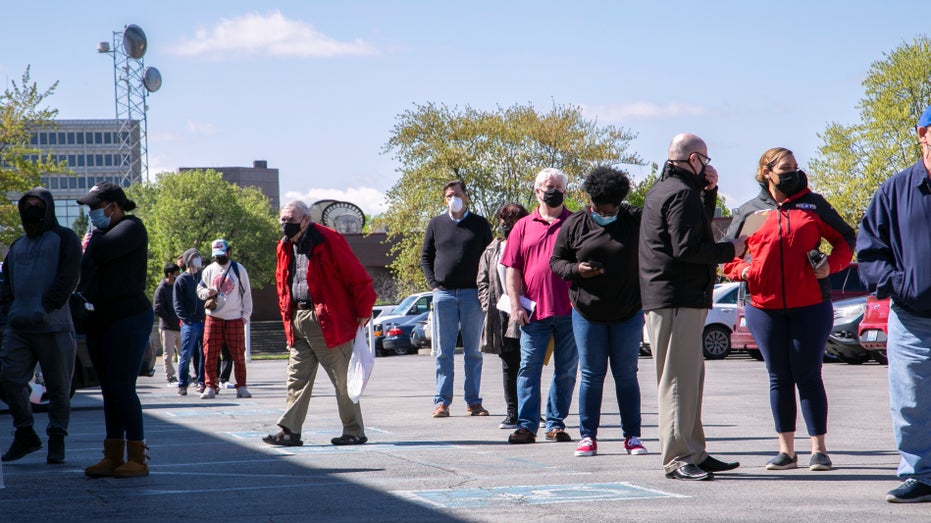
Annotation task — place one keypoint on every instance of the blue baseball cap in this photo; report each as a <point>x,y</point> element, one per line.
<point>925,120</point>
<point>219,247</point>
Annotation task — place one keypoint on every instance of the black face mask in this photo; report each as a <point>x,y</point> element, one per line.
<point>222,260</point>
<point>506,230</point>
<point>33,214</point>
<point>788,182</point>
<point>290,229</point>
<point>553,198</point>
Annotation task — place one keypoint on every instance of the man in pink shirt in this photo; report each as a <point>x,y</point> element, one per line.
<point>527,257</point>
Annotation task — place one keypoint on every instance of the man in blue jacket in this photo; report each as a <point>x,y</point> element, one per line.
<point>893,251</point>
<point>39,274</point>
<point>190,310</point>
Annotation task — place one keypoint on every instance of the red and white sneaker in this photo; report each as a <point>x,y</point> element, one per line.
<point>633,446</point>
<point>587,447</point>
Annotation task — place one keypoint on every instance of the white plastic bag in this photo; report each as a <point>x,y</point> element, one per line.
<point>360,366</point>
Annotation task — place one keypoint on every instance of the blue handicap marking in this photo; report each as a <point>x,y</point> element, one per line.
<point>532,495</point>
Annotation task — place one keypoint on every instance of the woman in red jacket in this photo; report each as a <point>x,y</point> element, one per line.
<point>790,313</point>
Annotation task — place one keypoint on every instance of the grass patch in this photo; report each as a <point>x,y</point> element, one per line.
<point>282,356</point>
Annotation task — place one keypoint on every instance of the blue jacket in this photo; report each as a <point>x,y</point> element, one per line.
<point>188,307</point>
<point>892,246</point>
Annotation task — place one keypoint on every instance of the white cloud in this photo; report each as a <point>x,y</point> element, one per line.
<point>200,128</point>
<point>270,34</point>
<point>371,201</point>
<point>643,111</point>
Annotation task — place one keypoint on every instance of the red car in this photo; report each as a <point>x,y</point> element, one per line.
<point>872,331</point>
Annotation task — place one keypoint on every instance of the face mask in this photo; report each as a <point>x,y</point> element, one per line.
<point>99,218</point>
<point>553,198</point>
<point>454,204</point>
<point>196,262</point>
<point>33,214</point>
<point>290,229</point>
<point>788,183</point>
<point>222,260</point>
<point>603,220</point>
<point>506,230</point>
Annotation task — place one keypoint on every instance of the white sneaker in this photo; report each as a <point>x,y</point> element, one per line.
<point>227,385</point>
<point>242,392</point>
<point>209,394</point>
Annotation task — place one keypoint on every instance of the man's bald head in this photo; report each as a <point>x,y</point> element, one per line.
<point>684,144</point>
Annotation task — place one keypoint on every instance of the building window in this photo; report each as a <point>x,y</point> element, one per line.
<point>82,183</point>
<point>80,160</point>
<point>80,138</point>
<point>108,160</point>
<point>53,138</point>
<point>72,182</point>
<point>43,139</point>
<point>90,138</point>
<point>53,183</point>
<point>98,160</point>
<point>34,139</point>
<point>61,138</point>
<point>107,137</point>
<point>71,160</point>
<point>70,138</point>
<point>98,137</point>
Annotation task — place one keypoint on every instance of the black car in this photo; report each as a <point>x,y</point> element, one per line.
<point>843,342</point>
<point>397,338</point>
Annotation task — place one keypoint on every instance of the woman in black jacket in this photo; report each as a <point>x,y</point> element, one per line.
<point>113,273</point>
<point>597,251</point>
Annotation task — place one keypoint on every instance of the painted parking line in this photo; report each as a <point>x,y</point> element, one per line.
<point>532,495</point>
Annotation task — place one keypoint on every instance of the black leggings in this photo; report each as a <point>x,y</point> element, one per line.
<point>792,343</point>
<point>510,364</point>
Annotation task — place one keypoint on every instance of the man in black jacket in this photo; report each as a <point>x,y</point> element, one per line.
<point>39,274</point>
<point>169,326</point>
<point>678,261</point>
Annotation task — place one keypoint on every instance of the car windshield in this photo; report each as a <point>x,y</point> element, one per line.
<point>403,306</point>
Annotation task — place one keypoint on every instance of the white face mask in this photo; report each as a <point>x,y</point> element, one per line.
<point>454,204</point>
<point>196,262</point>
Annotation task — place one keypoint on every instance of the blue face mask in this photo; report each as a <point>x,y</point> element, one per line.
<point>603,220</point>
<point>99,218</point>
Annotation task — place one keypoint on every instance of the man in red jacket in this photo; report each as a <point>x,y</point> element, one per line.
<point>325,295</point>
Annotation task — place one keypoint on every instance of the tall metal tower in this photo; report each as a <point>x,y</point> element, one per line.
<point>132,82</point>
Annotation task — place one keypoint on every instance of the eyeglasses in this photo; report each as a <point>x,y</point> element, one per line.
<point>704,159</point>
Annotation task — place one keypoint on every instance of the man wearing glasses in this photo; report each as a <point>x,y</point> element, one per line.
<point>678,262</point>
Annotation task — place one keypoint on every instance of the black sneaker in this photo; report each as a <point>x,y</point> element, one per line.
<point>510,422</point>
<point>56,449</point>
<point>782,461</point>
<point>911,491</point>
<point>820,461</point>
<point>24,441</point>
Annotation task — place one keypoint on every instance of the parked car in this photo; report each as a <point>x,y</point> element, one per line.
<point>419,337</point>
<point>413,305</point>
<point>425,332</point>
<point>397,338</point>
<point>716,337</point>
<point>382,309</point>
<point>872,332</point>
<point>843,342</point>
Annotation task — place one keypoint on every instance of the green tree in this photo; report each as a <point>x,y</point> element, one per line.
<point>22,112</point>
<point>496,153</point>
<point>80,224</point>
<point>193,208</point>
<point>854,160</point>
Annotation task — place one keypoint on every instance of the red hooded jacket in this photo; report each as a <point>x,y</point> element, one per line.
<point>339,285</point>
<point>781,276</point>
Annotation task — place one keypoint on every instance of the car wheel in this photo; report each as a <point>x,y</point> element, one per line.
<point>756,354</point>
<point>400,352</point>
<point>716,342</point>
<point>854,359</point>
<point>880,357</point>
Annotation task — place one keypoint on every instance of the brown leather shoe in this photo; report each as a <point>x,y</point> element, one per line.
<point>558,434</point>
<point>476,409</point>
<point>441,411</point>
<point>522,435</point>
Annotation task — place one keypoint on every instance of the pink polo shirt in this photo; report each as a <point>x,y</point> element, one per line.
<point>528,249</point>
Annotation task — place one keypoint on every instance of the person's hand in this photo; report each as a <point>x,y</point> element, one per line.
<point>744,273</point>
<point>519,315</point>
<point>823,271</point>
<point>363,322</point>
<point>587,271</point>
<point>711,176</point>
<point>211,293</point>
<point>740,246</point>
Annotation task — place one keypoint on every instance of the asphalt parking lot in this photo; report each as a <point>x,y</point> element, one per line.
<point>208,462</point>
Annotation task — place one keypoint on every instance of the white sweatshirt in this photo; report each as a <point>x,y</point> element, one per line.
<point>232,302</point>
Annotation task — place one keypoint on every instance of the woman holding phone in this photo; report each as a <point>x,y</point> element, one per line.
<point>790,313</point>
<point>597,252</point>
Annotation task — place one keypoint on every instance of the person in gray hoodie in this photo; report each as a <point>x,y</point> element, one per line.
<point>39,274</point>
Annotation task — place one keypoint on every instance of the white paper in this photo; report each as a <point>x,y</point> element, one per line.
<point>504,304</point>
<point>753,223</point>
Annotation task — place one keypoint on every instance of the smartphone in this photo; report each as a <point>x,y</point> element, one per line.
<point>595,264</point>
<point>817,258</point>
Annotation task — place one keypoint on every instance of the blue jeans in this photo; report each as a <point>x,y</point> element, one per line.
<point>192,346</point>
<point>534,339</point>
<point>909,352</point>
<point>455,311</point>
<point>599,343</point>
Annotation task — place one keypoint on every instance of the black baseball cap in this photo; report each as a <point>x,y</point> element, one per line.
<point>107,192</point>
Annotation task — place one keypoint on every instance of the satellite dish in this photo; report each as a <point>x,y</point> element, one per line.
<point>316,210</point>
<point>151,79</point>
<point>134,41</point>
<point>345,217</point>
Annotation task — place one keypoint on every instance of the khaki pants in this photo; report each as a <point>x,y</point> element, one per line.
<point>171,345</point>
<point>675,339</point>
<point>308,352</point>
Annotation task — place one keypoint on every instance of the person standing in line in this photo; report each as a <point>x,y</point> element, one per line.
<point>790,313</point>
<point>325,296</point>
<point>452,247</point>
<point>190,310</point>
<point>527,257</point>
<point>39,274</point>
<point>500,335</point>
<point>596,251</point>
<point>893,252</point>
<point>678,269</point>
<point>169,326</point>
<point>113,274</point>
<point>227,283</point>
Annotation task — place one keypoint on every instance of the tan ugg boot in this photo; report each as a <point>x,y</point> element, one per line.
<point>113,450</point>
<point>136,461</point>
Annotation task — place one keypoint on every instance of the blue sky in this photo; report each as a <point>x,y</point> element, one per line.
<point>314,88</point>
